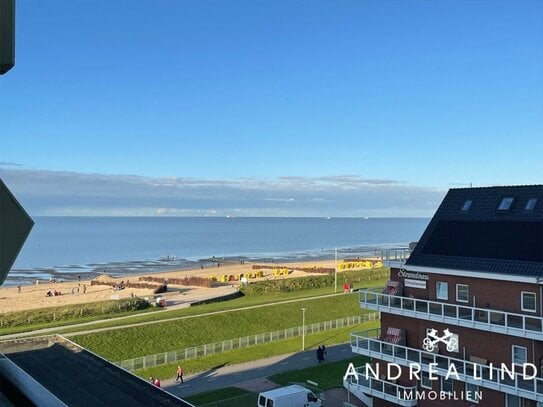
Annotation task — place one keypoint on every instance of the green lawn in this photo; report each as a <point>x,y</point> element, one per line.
<point>180,334</point>
<point>312,341</point>
<point>327,375</point>
<point>359,279</point>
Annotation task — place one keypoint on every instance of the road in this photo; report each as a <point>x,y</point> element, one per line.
<point>225,376</point>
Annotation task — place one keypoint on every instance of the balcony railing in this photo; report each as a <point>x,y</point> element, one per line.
<point>524,326</point>
<point>392,392</point>
<point>365,343</point>
<point>395,257</point>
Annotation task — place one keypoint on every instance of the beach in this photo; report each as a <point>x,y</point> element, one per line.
<point>35,296</point>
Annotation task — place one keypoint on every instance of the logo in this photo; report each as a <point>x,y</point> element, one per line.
<point>449,339</point>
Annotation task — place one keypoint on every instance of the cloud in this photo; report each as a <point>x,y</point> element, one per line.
<point>8,164</point>
<point>69,193</point>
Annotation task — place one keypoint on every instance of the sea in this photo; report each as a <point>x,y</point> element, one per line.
<point>69,248</point>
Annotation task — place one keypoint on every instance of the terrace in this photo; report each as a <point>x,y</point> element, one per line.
<point>486,319</point>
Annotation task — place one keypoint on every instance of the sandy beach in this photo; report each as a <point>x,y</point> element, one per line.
<point>35,296</point>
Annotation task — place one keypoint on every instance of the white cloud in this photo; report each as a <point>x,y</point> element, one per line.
<point>69,193</point>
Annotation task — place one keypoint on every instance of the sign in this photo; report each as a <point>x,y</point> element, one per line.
<point>15,225</point>
<point>415,284</point>
<point>416,275</point>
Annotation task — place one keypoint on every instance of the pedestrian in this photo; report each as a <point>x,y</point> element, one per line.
<point>84,288</point>
<point>157,382</point>
<point>19,288</point>
<point>151,379</point>
<point>320,354</point>
<point>324,353</point>
<point>179,374</point>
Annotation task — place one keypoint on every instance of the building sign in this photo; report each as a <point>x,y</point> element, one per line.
<point>415,284</point>
<point>417,276</point>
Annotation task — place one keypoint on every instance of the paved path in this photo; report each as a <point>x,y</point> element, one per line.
<point>225,376</point>
<point>157,321</point>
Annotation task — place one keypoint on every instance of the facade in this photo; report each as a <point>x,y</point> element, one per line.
<point>464,307</point>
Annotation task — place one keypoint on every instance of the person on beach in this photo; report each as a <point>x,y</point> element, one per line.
<point>19,288</point>
<point>179,374</point>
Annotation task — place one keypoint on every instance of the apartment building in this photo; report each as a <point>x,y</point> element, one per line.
<point>464,307</point>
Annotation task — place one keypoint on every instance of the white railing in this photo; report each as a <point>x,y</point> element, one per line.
<point>508,323</point>
<point>382,389</point>
<point>240,343</point>
<point>395,257</point>
<point>365,343</point>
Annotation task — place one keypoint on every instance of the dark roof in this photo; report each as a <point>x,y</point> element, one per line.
<point>79,378</point>
<point>483,237</point>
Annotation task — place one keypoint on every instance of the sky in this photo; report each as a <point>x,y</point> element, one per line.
<point>269,108</point>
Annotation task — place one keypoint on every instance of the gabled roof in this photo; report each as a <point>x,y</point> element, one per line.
<point>492,233</point>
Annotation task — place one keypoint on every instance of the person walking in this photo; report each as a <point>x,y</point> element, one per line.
<point>324,353</point>
<point>320,354</point>
<point>179,374</point>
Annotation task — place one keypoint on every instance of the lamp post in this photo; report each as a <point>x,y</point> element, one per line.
<point>303,329</point>
<point>335,271</point>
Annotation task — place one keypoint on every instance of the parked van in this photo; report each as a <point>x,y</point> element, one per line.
<point>290,396</point>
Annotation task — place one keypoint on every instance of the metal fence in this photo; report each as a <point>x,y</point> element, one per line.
<point>240,343</point>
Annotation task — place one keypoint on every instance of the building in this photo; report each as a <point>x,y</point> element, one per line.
<point>468,299</point>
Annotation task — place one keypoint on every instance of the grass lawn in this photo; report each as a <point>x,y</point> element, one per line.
<point>180,334</point>
<point>312,341</point>
<point>218,395</point>
<point>327,375</point>
<point>360,279</point>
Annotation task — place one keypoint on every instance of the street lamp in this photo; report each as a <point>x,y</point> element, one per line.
<point>335,271</point>
<point>303,329</point>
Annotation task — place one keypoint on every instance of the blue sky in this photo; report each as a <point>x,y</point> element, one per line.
<point>396,100</point>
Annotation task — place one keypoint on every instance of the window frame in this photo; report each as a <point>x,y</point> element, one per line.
<point>467,205</point>
<point>472,400</point>
<point>506,203</point>
<point>446,290</point>
<point>522,307</point>
<point>457,298</point>
<point>513,347</point>
<point>520,401</point>
<point>449,380</point>
<point>421,381</point>
<point>530,204</point>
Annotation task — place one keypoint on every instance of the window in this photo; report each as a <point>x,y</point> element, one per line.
<point>467,205</point>
<point>462,293</point>
<point>528,302</point>
<point>505,204</point>
<point>520,355</point>
<point>442,290</point>
<point>530,205</point>
<point>425,381</point>
<point>513,401</point>
<point>447,386</point>
<point>472,393</point>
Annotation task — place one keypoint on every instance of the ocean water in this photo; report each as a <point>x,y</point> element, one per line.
<point>68,247</point>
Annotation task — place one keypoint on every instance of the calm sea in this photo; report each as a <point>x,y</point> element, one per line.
<point>68,247</point>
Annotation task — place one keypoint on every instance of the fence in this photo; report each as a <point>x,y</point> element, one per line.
<point>240,343</point>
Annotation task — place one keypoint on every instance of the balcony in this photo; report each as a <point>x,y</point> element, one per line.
<point>395,257</point>
<point>391,392</point>
<point>485,319</point>
<point>366,343</point>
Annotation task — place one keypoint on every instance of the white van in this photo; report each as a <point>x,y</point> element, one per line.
<point>290,396</point>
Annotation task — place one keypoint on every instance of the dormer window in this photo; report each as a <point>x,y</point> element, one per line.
<point>467,205</point>
<point>505,204</point>
<point>530,205</point>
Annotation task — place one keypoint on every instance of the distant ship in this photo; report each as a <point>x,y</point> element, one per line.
<point>167,258</point>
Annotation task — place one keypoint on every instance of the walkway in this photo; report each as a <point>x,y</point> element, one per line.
<point>225,376</point>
